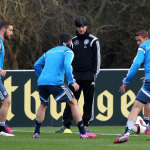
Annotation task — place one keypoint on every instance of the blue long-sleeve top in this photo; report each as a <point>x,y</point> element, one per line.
<point>2,54</point>
<point>51,67</point>
<point>143,56</point>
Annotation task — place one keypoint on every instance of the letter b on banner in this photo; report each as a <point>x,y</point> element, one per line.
<point>27,98</point>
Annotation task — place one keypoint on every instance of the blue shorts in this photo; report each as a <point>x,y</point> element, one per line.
<point>61,93</point>
<point>144,93</point>
<point>3,92</point>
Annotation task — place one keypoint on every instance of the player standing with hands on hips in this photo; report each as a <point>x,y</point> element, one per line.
<point>86,66</point>
<point>6,31</point>
<point>50,69</point>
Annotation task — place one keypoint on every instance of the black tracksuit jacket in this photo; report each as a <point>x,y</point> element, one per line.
<point>86,62</point>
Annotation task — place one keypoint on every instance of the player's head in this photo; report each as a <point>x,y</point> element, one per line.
<point>6,29</point>
<point>141,36</point>
<point>65,38</point>
<point>81,24</point>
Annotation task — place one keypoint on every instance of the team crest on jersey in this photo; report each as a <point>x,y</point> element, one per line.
<point>76,42</point>
<point>86,41</point>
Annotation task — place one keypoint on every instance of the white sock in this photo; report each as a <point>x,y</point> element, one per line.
<point>2,123</point>
<point>129,126</point>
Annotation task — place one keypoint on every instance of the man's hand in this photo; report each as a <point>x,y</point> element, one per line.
<point>94,77</point>
<point>143,79</point>
<point>123,88</point>
<point>3,73</point>
<point>75,86</point>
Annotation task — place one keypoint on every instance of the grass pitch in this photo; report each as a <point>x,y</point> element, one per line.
<point>49,140</point>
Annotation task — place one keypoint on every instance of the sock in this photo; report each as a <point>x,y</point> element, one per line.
<point>2,123</point>
<point>68,127</point>
<point>37,127</point>
<point>146,120</point>
<point>81,127</point>
<point>129,126</point>
<point>2,126</point>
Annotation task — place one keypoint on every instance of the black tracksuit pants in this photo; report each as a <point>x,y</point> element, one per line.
<point>88,87</point>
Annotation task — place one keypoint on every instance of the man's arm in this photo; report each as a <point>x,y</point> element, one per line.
<point>97,57</point>
<point>2,72</point>
<point>39,64</point>
<point>68,67</point>
<point>134,67</point>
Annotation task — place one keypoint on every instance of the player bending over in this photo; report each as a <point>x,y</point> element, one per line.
<point>50,69</point>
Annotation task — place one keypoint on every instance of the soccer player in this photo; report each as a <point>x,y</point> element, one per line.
<point>143,96</point>
<point>146,116</point>
<point>50,69</point>
<point>6,31</point>
<point>86,66</point>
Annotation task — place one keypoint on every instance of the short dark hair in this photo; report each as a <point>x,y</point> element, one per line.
<point>65,38</point>
<point>81,21</point>
<point>5,24</point>
<point>142,33</point>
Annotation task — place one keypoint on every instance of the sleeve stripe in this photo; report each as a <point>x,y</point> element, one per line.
<point>68,51</point>
<point>141,49</point>
<point>98,57</point>
<point>92,41</point>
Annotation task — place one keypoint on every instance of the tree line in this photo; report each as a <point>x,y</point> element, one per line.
<point>38,24</point>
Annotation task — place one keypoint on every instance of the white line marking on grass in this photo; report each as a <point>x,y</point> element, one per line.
<point>27,131</point>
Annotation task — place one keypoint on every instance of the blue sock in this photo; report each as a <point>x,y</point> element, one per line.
<point>126,130</point>
<point>2,128</point>
<point>81,127</point>
<point>37,127</point>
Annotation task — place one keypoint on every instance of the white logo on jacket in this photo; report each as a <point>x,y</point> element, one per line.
<point>76,42</point>
<point>85,43</point>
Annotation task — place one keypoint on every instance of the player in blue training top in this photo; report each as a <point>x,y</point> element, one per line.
<point>143,96</point>
<point>50,69</point>
<point>6,31</point>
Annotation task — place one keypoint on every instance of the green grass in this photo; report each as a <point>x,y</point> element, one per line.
<point>51,141</point>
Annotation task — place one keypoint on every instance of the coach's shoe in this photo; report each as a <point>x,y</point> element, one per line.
<point>121,139</point>
<point>87,135</point>
<point>36,135</point>
<point>8,129</point>
<point>63,130</point>
<point>147,131</point>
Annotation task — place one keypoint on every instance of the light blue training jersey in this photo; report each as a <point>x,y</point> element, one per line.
<point>143,56</point>
<point>2,54</point>
<point>51,67</point>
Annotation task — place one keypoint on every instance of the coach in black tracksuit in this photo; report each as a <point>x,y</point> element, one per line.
<point>86,66</point>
